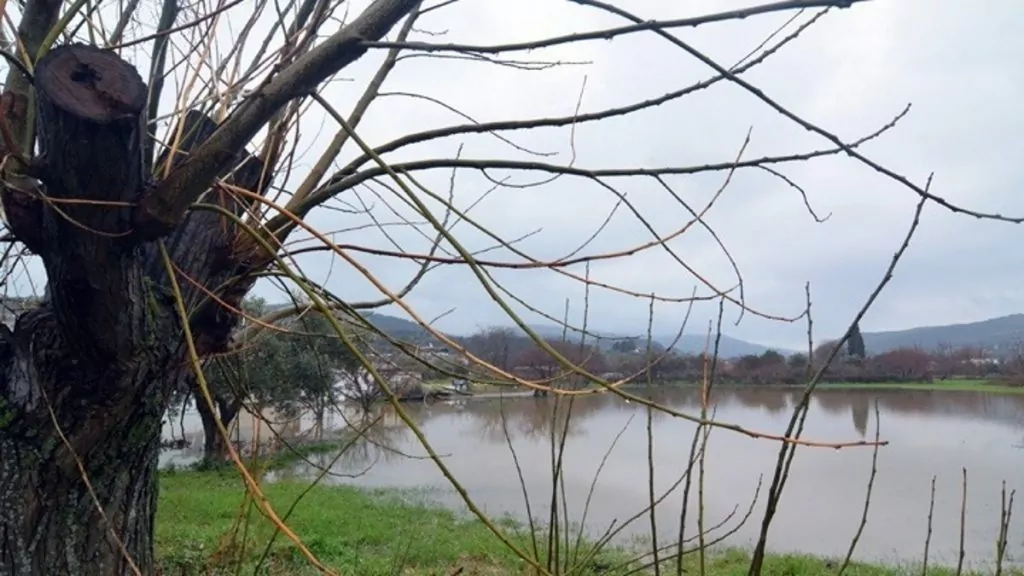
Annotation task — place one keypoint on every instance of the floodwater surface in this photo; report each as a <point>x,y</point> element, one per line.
<point>930,434</point>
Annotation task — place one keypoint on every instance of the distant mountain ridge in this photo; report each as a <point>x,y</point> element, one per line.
<point>728,347</point>
<point>996,335</point>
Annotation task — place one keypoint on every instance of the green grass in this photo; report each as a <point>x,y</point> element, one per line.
<point>735,562</point>
<point>937,385</point>
<point>371,533</point>
<point>350,530</point>
<point>955,385</point>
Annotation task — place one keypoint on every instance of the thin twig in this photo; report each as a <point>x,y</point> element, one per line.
<point>867,496</point>
<point>796,422</point>
<point>928,536</point>
<point>963,523</point>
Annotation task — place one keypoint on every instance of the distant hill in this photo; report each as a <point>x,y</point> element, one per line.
<point>399,327</point>
<point>688,344</point>
<point>996,335</point>
<point>728,347</point>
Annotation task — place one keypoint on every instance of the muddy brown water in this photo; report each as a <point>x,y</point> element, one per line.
<point>929,433</point>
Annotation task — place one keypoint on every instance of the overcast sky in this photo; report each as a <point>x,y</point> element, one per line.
<point>850,73</point>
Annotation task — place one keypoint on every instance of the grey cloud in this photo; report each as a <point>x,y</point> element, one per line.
<point>851,74</point>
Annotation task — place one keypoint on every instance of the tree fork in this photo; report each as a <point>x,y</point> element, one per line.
<point>202,246</point>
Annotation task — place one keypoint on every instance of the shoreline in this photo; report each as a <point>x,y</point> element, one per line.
<point>381,532</point>
<point>953,385</point>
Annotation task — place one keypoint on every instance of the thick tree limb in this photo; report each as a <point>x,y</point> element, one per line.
<point>201,247</point>
<point>19,194</point>
<point>200,244</point>
<point>90,105</point>
<point>164,208</point>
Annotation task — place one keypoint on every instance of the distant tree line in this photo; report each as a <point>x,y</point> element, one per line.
<point>513,352</point>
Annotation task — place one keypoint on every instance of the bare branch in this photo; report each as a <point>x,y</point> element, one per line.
<point>163,209</point>
<point>923,192</point>
<point>611,33</point>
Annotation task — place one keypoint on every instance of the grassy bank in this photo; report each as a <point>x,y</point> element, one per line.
<point>352,531</point>
<point>938,385</point>
<point>987,386</point>
<point>952,385</point>
<point>366,533</point>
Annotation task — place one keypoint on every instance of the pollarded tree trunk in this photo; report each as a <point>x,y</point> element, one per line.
<point>75,361</point>
<point>49,520</point>
<point>85,377</point>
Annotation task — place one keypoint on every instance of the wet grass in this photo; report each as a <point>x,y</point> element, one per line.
<point>986,386</point>
<point>952,385</point>
<point>202,529</point>
<point>735,562</point>
<point>350,530</point>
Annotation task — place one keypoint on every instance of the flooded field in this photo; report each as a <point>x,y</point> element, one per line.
<point>930,434</point>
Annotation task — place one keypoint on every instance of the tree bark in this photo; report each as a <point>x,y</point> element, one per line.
<point>86,376</point>
<point>50,522</point>
<point>90,105</point>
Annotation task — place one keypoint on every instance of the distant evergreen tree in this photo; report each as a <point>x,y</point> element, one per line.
<point>855,344</point>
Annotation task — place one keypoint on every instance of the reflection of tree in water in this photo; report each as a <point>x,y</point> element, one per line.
<point>1007,409</point>
<point>533,418</point>
<point>1004,408</point>
<point>686,399</point>
<point>366,442</point>
<point>774,401</point>
<point>833,402</point>
<point>382,442</point>
<point>859,410</point>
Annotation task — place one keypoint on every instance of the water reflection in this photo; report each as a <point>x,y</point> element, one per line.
<point>931,433</point>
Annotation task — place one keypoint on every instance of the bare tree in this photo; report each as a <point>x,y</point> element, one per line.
<point>154,215</point>
<point>128,257</point>
<point>497,345</point>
